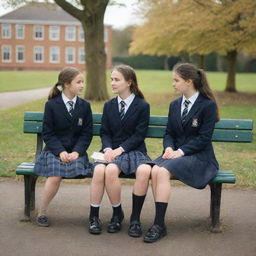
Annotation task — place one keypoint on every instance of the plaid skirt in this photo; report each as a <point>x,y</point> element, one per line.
<point>48,165</point>
<point>129,162</point>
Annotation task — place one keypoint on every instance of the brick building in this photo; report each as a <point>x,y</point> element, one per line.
<point>43,36</point>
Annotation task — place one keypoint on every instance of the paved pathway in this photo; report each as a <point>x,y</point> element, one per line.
<point>186,222</point>
<point>12,99</point>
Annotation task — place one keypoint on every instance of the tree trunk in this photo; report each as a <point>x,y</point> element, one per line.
<point>219,64</point>
<point>231,80</point>
<point>201,61</point>
<point>96,88</point>
<point>166,63</point>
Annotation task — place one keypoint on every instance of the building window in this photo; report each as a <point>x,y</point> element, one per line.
<point>70,55</point>
<point>20,54</point>
<point>6,53</point>
<point>38,54</point>
<point>6,31</point>
<point>70,33</point>
<point>54,33</point>
<point>105,34</point>
<point>20,29</point>
<point>38,32</point>
<point>81,56</point>
<point>81,34</point>
<point>54,54</point>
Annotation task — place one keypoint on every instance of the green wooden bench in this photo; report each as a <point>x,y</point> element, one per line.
<point>226,130</point>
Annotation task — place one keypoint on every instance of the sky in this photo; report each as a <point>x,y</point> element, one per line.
<point>117,16</point>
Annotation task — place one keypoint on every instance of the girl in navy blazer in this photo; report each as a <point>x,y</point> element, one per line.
<point>67,133</point>
<point>188,153</point>
<point>124,126</point>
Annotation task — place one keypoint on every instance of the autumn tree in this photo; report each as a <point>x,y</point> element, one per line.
<point>227,27</point>
<point>91,14</point>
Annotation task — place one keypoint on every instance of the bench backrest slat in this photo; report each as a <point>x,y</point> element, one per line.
<point>228,130</point>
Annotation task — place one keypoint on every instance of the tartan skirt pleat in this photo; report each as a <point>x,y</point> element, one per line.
<point>48,165</point>
<point>129,162</point>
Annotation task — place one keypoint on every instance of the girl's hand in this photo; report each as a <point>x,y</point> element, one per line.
<point>116,152</point>
<point>176,154</point>
<point>167,153</point>
<point>108,155</point>
<point>73,156</point>
<point>64,157</point>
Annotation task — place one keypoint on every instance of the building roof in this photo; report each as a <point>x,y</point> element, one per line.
<point>43,13</point>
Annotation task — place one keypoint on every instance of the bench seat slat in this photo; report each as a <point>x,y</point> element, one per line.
<point>222,176</point>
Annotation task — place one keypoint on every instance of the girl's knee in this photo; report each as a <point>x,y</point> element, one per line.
<point>55,180</point>
<point>112,172</point>
<point>143,173</point>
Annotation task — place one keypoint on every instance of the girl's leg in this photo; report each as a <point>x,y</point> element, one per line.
<point>138,197</point>
<point>50,189</point>
<point>97,189</point>
<point>140,190</point>
<point>162,194</point>
<point>113,188</point>
<point>154,172</point>
<point>96,194</point>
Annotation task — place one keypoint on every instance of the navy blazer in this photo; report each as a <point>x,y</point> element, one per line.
<point>61,132</point>
<point>196,133</point>
<point>128,133</point>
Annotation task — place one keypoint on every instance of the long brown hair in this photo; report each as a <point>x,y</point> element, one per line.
<point>129,75</point>
<point>188,71</point>
<point>65,76</point>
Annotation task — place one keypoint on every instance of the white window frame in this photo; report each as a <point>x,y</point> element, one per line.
<point>67,33</point>
<point>81,34</point>
<point>51,33</point>
<point>51,53</point>
<point>7,31</point>
<point>34,54</point>
<point>81,50</point>
<point>34,31</point>
<point>17,54</point>
<point>67,54</point>
<point>17,31</point>
<point>10,53</point>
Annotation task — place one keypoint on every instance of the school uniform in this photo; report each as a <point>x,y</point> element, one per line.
<point>193,138</point>
<point>65,132</point>
<point>128,133</point>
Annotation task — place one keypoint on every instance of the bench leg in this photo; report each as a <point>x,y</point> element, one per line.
<point>29,187</point>
<point>215,207</point>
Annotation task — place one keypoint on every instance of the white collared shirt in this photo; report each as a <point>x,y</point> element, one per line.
<point>128,101</point>
<point>66,99</point>
<point>192,100</point>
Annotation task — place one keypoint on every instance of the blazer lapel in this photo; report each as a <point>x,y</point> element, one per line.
<point>177,110</point>
<point>77,107</point>
<point>63,108</point>
<point>115,110</point>
<point>194,109</point>
<point>131,110</point>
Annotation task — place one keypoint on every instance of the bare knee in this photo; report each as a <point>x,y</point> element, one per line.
<point>112,173</point>
<point>143,173</point>
<point>54,180</point>
<point>163,175</point>
<point>99,173</point>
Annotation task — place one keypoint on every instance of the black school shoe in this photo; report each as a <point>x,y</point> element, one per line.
<point>155,233</point>
<point>135,229</point>
<point>95,226</point>
<point>115,223</point>
<point>42,221</point>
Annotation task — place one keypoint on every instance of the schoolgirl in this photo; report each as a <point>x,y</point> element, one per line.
<point>188,152</point>
<point>124,126</point>
<point>67,133</point>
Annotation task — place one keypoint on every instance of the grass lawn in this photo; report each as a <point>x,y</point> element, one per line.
<point>16,147</point>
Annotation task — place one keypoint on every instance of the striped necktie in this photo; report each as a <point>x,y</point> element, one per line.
<point>122,109</point>
<point>71,107</point>
<point>185,111</point>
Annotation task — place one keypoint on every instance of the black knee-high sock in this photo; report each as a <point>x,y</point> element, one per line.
<point>117,210</point>
<point>137,203</point>
<point>94,211</point>
<point>160,213</point>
